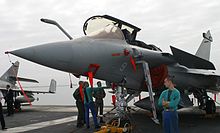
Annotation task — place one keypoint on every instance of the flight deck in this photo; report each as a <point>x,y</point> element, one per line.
<point>57,119</point>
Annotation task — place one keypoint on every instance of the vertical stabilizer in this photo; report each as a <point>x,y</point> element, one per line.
<point>11,73</point>
<point>205,47</point>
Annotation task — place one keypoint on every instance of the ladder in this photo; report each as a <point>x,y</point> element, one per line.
<point>148,82</point>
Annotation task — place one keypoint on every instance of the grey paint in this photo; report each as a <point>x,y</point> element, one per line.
<point>75,56</point>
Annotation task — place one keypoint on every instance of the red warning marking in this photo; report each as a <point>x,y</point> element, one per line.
<point>93,68</point>
<point>81,91</point>
<point>90,75</point>
<point>22,90</point>
<point>113,99</point>
<point>126,52</point>
<point>116,54</point>
<point>133,63</point>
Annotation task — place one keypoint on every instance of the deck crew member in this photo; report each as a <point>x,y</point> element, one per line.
<point>169,100</point>
<point>99,94</point>
<point>78,95</point>
<point>89,105</point>
<point>9,100</point>
<point>1,112</point>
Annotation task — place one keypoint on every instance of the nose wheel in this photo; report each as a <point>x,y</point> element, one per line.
<point>122,122</point>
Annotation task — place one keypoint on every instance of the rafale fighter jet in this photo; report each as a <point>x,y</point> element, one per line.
<point>10,77</point>
<point>110,51</point>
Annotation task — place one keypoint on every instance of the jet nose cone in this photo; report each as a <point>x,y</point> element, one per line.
<point>25,53</point>
<point>56,55</point>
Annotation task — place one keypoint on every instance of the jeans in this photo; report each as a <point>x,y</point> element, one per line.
<point>170,122</point>
<point>90,106</point>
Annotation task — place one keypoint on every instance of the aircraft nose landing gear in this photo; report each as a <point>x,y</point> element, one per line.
<point>122,122</point>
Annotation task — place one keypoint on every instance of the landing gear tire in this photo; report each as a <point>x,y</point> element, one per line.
<point>210,107</point>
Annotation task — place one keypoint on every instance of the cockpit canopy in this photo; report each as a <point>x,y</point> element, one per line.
<point>97,23</point>
<point>108,32</point>
<point>108,27</point>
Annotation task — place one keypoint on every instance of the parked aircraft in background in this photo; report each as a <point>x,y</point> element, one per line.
<point>10,78</point>
<point>110,51</point>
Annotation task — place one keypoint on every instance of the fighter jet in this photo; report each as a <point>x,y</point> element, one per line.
<point>109,51</point>
<point>10,77</point>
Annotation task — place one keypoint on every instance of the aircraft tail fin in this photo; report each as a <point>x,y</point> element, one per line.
<point>205,46</point>
<point>53,85</point>
<point>191,61</point>
<point>11,73</point>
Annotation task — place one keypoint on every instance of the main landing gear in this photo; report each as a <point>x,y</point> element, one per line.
<point>205,102</point>
<point>210,106</point>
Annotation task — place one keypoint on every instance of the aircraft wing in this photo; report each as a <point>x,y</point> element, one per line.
<point>145,103</point>
<point>52,89</point>
<point>191,61</point>
<point>23,79</point>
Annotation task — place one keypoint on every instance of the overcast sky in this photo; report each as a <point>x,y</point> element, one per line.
<point>163,23</point>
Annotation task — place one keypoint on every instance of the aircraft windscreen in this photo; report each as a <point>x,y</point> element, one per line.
<point>109,32</point>
<point>96,23</point>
